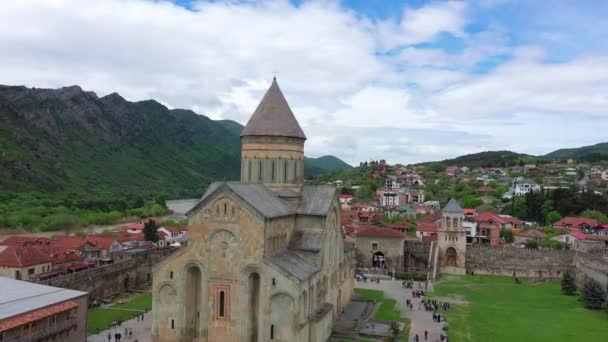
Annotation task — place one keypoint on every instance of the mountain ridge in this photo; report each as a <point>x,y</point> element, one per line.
<point>68,139</point>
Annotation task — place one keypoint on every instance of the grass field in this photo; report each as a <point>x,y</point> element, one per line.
<point>500,310</point>
<point>99,319</point>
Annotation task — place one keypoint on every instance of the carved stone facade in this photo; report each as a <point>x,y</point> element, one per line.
<point>266,258</point>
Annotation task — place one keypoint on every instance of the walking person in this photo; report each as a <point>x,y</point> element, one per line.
<point>426,334</point>
<point>109,336</point>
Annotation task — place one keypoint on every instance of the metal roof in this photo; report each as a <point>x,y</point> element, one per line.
<point>316,199</point>
<point>258,196</point>
<point>292,263</point>
<point>19,296</point>
<point>273,117</point>
<point>452,207</point>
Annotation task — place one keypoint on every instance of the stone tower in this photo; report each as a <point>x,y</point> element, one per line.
<point>273,144</point>
<point>452,239</point>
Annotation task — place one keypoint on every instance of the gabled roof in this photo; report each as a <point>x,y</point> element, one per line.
<point>452,207</point>
<point>19,256</point>
<point>17,240</point>
<point>293,264</point>
<point>259,197</point>
<point>576,222</point>
<point>316,199</point>
<point>273,117</point>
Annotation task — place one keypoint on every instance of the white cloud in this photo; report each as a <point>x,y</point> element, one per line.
<point>424,24</point>
<point>352,99</point>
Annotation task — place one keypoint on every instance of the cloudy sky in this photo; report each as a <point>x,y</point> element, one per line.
<point>406,81</point>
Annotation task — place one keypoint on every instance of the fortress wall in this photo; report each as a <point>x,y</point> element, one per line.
<point>518,262</point>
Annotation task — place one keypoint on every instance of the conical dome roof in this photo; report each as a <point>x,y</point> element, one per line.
<point>273,117</point>
<point>452,207</point>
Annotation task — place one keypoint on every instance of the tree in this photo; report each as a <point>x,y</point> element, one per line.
<point>507,235</point>
<point>568,284</point>
<point>593,295</point>
<point>470,201</point>
<point>150,229</point>
<point>532,244</point>
<point>552,217</point>
<point>595,214</point>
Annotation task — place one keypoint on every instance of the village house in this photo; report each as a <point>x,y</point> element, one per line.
<point>379,247</point>
<point>581,223</point>
<point>33,312</point>
<point>451,171</point>
<point>427,227</point>
<point>174,236</point>
<point>570,239</point>
<point>346,199</point>
<point>524,186</point>
<point>23,263</point>
<point>525,235</point>
<point>490,224</point>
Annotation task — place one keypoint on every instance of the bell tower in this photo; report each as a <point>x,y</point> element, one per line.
<point>452,239</point>
<point>272,144</point>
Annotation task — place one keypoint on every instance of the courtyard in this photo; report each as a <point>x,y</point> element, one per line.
<point>497,309</point>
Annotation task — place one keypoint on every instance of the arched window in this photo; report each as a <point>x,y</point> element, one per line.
<point>222,312</point>
<point>260,170</point>
<point>272,331</point>
<point>284,171</point>
<point>272,171</point>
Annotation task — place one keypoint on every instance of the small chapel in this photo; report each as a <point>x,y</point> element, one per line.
<point>266,258</point>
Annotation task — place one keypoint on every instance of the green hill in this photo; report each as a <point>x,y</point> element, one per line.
<point>70,140</point>
<point>591,153</point>
<point>490,159</point>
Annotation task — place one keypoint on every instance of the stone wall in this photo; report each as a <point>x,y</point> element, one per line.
<point>105,281</point>
<point>416,260</point>
<point>518,262</point>
<point>591,266</point>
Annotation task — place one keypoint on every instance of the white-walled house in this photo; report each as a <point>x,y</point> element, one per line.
<point>174,234</point>
<point>522,187</point>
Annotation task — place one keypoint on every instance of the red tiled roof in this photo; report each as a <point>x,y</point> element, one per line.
<point>469,211</point>
<point>400,225</point>
<point>177,229</point>
<point>102,241</point>
<point>488,216</point>
<point>511,219</point>
<point>486,189</point>
<point>19,320</point>
<point>19,256</point>
<point>346,196</point>
<point>576,222</point>
<point>432,218</point>
<point>428,227</point>
<point>579,235</point>
<point>66,242</point>
<point>25,240</point>
<point>379,232</point>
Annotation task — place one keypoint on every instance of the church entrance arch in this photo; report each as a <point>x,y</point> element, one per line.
<point>378,260</point>
<point>451,256</point>
<point>193,302</point>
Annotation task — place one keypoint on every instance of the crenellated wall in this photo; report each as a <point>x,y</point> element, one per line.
<point>518,262</point>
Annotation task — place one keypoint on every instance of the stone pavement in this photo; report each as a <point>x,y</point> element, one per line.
<point>142,331</point>
<point>420,320</point>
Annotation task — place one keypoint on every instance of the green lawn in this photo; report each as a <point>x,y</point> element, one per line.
<point>386,311</point>
<point>500,310</point>
<point>99,319</point>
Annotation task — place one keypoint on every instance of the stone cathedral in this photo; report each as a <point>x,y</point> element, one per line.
<point>266,258</point>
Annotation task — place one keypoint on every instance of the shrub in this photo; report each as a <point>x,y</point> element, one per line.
<point>568,284</point>
<point>593,295</point>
